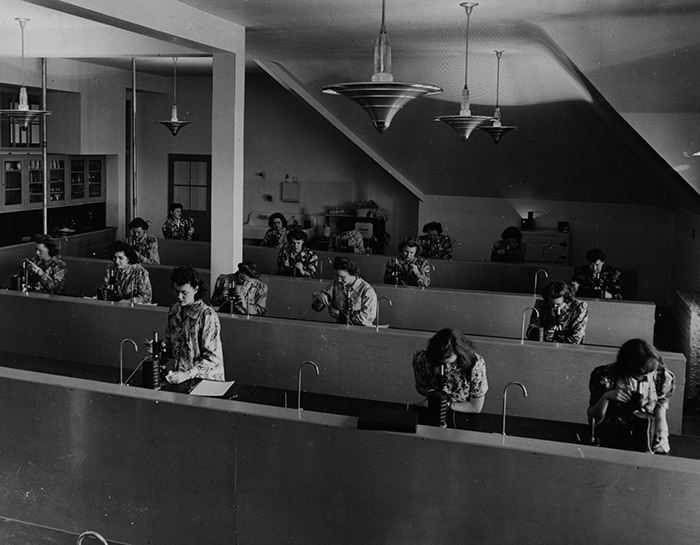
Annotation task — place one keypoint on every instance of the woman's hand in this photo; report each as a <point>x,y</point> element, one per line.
<point>177,377</point>
<point>619,395</point>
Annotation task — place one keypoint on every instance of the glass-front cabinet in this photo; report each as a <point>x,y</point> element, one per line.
<point>72,180</point>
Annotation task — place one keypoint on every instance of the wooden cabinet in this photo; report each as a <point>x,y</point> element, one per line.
<point>547,246</point>
<point>72,180</point>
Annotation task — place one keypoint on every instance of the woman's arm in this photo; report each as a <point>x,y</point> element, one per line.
<point>577,329</point>
<point>474,405</point>
<point>599,409</point>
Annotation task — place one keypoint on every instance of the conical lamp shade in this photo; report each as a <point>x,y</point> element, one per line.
<point>174,124</point>
<point>497,131</point>
<point>381,101</point>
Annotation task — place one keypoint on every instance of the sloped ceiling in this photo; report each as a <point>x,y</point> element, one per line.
<point>574,75</point>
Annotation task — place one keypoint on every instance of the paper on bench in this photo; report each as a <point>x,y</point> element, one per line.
<point>211,388</point>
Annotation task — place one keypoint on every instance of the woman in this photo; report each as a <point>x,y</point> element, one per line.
<point>194,332</point>
<point>450,366</point>
<point>276,235</point>
<point>347,238</point>
<point>241,292</point>
<point>597,279</point>
<point>295,258</point>
<point>176,227</point>
<point>349,299</point>
<point>558,317</point>
<point>125,278</point>
<point>145,245</point>
<point>511,248</point>
<point>433,244</point>
<point>623,393</point>
<point>45,272</point>
<point>409,269</point>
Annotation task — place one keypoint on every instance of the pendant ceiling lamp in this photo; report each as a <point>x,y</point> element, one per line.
<point>497,130</point>
<point>22,114</point>
<point>465,122</point>
<point>382,97</point>
<point>174,124</point>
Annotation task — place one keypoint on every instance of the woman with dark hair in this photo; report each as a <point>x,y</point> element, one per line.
<point>409,269</point>
<point>349,299</point>
<point>433,244</point>
<point>597,279</point>
<point>347,238</point>
<point>276,235</point>
<point>450,366</point>
<point>145,245</point>
<point>511,248</point>
<point>125,278</point>
<point>176,227</point>
<point>634,388</point>
<point>558,317</point>
<point>241,292</point>
<point>295,258</point>
<point>44,272</point>
<point>193,336</point>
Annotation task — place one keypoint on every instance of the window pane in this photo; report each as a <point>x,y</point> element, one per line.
<point>182,195</point>
<point>199,198</point>
<point>198,173</point>
<point>181,173</point>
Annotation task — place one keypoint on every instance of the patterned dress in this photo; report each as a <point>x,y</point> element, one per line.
<point>194,337</point>
<point>53,277</point>
<point>399,271</point>
<point>274,238</point>
<point>512,253</point>
<point>146,249</point>
<point>460,383</point>
<point>348,242</point>
<point>130,282</point>
<point>435,247</point>
<point>595,285</point>
<point>241,296</point>
<point>288,259</point>
<point>565,326</point>
<point>354,304</point>
<point>654,393</point>
<point>184,230</point>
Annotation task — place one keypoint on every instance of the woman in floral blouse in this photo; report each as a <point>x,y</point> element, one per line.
<point>638,382</point>
<point>558,317</point>
<point>295,258</point>
<point>349,298</point>
<point>276,235</point>
<point>433,244</point>
<point>125,278</point>
<point>409,269</point>
<point>194,332</point>
<point>145,245</point>
<point>241,292</point>
<point>347,238</point>
<point>450,366</point>
<point>45,271</point>
<point>176,227</point>
<point>597,279</point>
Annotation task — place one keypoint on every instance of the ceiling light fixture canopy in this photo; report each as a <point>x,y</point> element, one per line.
<point>22,114</point>
<point>382,97</point>
<point>497,130</point>
<point>465,122</point>
<point>174,124</point>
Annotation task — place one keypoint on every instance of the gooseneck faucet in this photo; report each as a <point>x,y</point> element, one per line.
<point>91,534</point>
<point>505,395</point>
<point>121,357</point>
<point>321,268</point>
<point>537,273</point>
<point>522,322</point>
<point>307,362</point>
<point>391,304</point>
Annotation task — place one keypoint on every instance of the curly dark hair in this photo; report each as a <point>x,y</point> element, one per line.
<point>410,242</point>
<point>174,206</point>
<point>433,226</point>
<point>297,234</point>
<point>138,222</point>
<point>121,246</point>
<point>341,263</point>
<point>47,241</point>
<point>451,341</point>
<point>595,254</point>
<point>277,216</point>
<point>557,289</point>
<point>637,357</point>
<point>512,232</point>
<point>187,275</point>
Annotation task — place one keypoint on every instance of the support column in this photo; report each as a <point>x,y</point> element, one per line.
<point>227,162</point>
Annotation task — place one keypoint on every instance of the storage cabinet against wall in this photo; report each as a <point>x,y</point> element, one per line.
<point>72,180</point>
<point>547,246</point>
